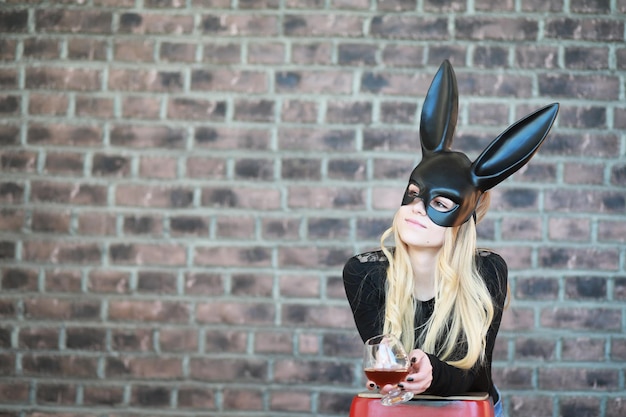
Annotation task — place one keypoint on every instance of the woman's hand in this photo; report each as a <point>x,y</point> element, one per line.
<point>420,374</point>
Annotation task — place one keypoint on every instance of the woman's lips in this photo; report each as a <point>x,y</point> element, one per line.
<point>415,222</point>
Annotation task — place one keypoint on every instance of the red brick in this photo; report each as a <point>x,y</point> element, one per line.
<point>583,349</point>
<point>11,192</point>
<point>255,110</point>
<point>178,340</point>
<point>19,279</point>
<point>104,165</point>
<point>569,229</point>
<point>8,79</point>
<point>249,400</point>
<point>63,280</point>
<point>615,407</point>
<point>158,167</point>
<point>329,317</point>
<point>9,135</point>
<point>189,225</point>
<point>71,21</point>
<point>9,105</point>
<point>303,371</point>
<point>12,220</point>
<point>153,311</point>
<point>577,379</point>
<point>50,308</point>
<point>218,341</point>
<point>7,49</point>
<point>583,145</point>
<point>258,198</point>
<point>410,27</point>
<point>153,23</point>
<point>586,288</point>
<point>150,396</point>
<point>325,197</point>
<point>239,25</point>
<point>299,111</point>
<point>74,366</point>
<point>536,56</point>
<point>218,53</point>
<point>583,173</point>
<point>612,231</point>
<point>311,53</point>
<point>335,82</point>
<point>141,225</point>
<point>153,367</point>
<point>299,286</point>
<point>281,229</point>
<point>517,319</point>
<point>229,80</point>
<point>153,136</point>
<point>266,53</point>
<point>134,50</point>
<point>323,25</point>
<point>132,339</point>
<point>14,21</point>
<point>62,252</point>
<point>591,87</point>
<point>16,392</point>
<point>204,284</point>
<point>151,254</point>
<point>153,196</point>
<point>227,370</point>
<point>105,281</point>
<point>137,107</point>
<point>177,52</point>
<point>579,318</point>
<point>64,135</point>
<point>252,285</point>
<point>537,288</point>
<point>525,228</point>
<point>64,163</point>
<point>532,405</point>
<point>98,395</point>
<point>254,169</point>
<point>38,338</point>
<point>51,78</point>
<point>236,313</point>
<point>259,4</point>
<point>47,104</point>
<point>232,138</point>
<point>87,49</point>
<point>145,80</point>
<point>55,394</point>
<point>513,378</point>
<point>206,167</point>
<point>88,106</point>
<point>555,257</point>
<point>196,397</point>
<point>535,349</point>
<point>273,342</point>
<point>94,223</point>
<point>288,400</point>
<point>196,109</point>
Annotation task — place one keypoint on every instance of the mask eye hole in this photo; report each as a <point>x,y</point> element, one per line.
<point>442,204</point>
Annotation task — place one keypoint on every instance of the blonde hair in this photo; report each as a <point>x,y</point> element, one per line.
<point>463,306</point>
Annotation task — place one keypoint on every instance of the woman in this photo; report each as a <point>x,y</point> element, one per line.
<point>434,289</point>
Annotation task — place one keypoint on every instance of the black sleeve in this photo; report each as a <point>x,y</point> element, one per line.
<point>364,285</point>
<point>449,380</point>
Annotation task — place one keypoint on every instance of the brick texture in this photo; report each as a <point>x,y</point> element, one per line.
<point>182,181</point>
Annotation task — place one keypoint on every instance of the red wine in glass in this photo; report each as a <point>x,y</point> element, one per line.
<point>385,362</point>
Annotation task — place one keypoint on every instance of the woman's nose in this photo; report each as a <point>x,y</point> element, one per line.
<point>418,206</point>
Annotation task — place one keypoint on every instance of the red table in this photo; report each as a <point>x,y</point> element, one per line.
<point>367,404</point>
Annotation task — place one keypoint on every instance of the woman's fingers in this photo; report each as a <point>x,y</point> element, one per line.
<point>370,385</point>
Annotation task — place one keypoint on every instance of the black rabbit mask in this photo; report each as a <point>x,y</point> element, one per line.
<point>450,174</point>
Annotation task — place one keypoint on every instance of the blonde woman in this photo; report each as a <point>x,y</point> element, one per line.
<point>434,289</point>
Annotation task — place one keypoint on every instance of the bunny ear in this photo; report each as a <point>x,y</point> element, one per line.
<point>440,111</point>
<point>513,148</point>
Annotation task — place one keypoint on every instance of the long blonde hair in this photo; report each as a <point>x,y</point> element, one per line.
<point>463,306</point>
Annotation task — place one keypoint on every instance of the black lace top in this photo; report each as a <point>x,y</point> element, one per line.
<point>364,278</point>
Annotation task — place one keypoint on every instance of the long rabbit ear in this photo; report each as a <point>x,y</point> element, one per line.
<point>513,148</point>
<point>440,111</point>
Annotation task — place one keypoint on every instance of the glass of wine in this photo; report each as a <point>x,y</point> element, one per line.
<point>386,362</point>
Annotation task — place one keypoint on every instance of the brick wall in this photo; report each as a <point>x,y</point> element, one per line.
<point>182,181</point>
